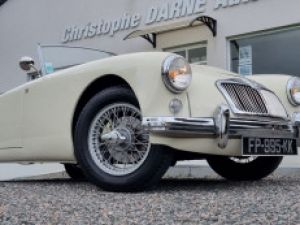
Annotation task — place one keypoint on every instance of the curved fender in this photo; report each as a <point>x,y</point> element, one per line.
<point>50,102</point>
<point>278,84</point>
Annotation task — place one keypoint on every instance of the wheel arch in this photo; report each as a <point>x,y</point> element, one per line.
<point>101,83</point>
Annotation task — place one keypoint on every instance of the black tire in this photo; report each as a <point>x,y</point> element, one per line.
<point>145,176</point>
<point>74,172</point>
<point>257,169</point>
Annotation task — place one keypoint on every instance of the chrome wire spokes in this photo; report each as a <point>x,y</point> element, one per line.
<point>117,141</point>
<point>243,159</point>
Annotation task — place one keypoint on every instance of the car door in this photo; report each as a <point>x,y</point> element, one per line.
<point>11,110</point>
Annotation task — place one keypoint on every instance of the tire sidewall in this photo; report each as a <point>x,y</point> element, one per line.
<point>74,172</point>
<point>254,170</point>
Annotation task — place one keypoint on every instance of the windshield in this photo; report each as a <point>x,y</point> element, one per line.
<point>56,57</point>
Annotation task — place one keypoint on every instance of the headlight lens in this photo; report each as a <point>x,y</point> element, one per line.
<point>293,90</point>
<point>176,73</point>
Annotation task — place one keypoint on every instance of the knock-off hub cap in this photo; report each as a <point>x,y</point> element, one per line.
<point>120,141</point>
<point>114,137</point>
<point>117,141</point>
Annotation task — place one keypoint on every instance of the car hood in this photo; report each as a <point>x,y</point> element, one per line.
<point>203,70</point>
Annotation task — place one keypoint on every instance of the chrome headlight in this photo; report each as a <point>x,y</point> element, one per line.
<point>176,73</point>
<point>293,90</point>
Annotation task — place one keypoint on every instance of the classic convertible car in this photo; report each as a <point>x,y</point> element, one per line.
<point>122,121</point>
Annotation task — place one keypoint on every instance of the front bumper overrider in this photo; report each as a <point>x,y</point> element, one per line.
<point>222,127</point>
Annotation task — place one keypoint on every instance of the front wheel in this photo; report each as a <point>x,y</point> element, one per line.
<point>244,168</point>
<point>112,147</point>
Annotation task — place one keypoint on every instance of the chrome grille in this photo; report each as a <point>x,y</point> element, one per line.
<point>245,98</point>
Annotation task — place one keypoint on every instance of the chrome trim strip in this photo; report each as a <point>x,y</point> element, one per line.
<point>289,86</point>
<point>221,127</point>
<point>221,120</point>
<point>207,126</point>
<point>165,67</point>
<point>172,125</point>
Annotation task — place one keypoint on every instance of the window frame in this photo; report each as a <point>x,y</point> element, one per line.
<point>186,48</point>
<point>253,35</point>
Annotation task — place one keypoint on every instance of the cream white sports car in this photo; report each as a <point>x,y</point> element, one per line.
<point>122,121</point>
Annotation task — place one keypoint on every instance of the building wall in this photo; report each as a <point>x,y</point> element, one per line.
<point>23,24</point>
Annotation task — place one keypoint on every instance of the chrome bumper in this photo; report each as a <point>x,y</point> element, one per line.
<point>222,127</point>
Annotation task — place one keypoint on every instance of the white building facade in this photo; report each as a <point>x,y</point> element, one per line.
<point>267,31</point>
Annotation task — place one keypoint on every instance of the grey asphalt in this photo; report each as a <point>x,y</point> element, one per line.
<point>185,199</point>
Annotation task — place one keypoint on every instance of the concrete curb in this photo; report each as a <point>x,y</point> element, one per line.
<point>205,171</point>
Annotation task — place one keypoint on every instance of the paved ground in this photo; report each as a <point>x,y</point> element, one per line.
<point>10,171</point>
<point>205,200</point>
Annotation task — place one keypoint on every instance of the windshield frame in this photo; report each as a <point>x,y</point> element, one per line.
<point>42,59</point>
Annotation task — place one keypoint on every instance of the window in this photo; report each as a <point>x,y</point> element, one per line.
<point>195,54</point>
<point>276,52</point>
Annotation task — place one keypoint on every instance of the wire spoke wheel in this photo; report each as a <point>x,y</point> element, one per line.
<point>112,147</point>
<point>117,141</point>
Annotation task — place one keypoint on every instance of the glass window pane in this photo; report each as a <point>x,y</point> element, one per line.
<point>61,57</point>
<point>182,53</point>
<point>276,53</point>
<point>197,55</point>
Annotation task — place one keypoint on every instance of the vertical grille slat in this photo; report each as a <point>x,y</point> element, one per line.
<point>245,98</point>
<point>252,97</point>
<point>234,96</point>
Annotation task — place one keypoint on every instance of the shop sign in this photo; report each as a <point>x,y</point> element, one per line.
<point>167,11</point>
<point>230,3</point>
<point>176,9</point>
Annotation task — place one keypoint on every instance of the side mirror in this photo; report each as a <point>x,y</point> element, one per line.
<point>26,63</point>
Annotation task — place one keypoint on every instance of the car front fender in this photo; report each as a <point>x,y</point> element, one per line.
<point>49,102</point>
<point>278,84</point>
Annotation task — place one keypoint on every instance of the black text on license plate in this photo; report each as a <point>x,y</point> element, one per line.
<point>269,146</point>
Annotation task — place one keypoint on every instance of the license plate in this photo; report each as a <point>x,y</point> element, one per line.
<point>269,146</point>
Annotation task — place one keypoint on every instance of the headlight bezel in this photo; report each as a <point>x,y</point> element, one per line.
<point>292,84</point>
<point>166,69</point>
